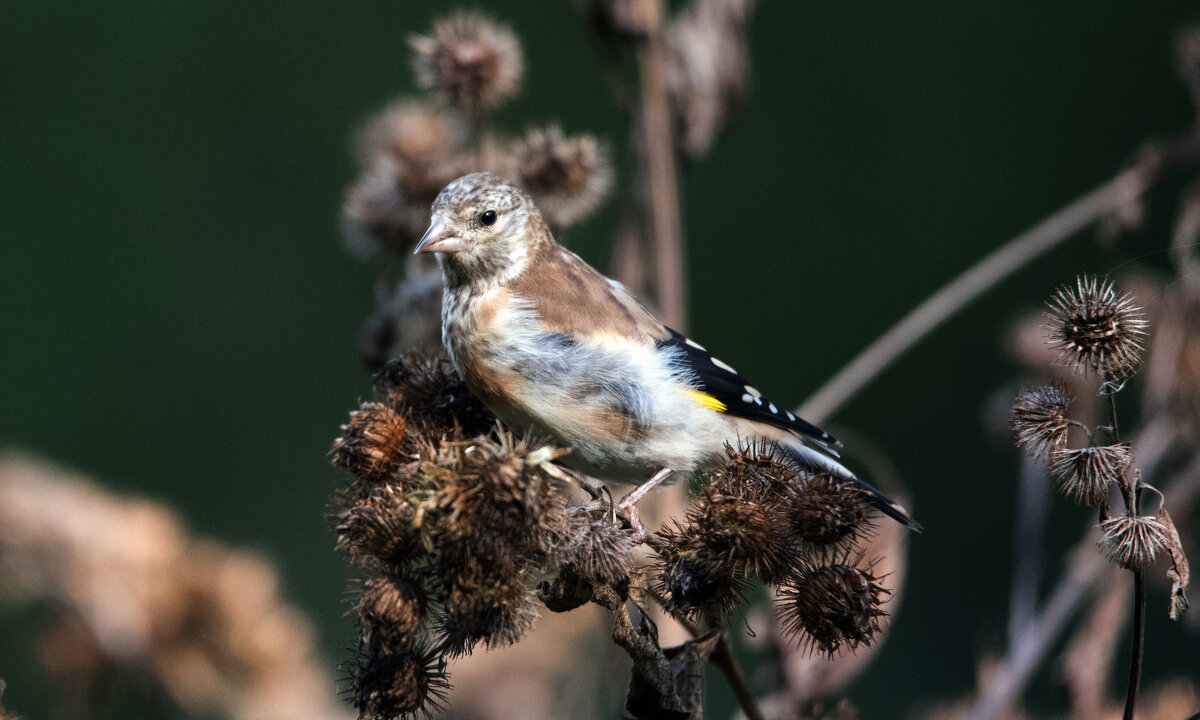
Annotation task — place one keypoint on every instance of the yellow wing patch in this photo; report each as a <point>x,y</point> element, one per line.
<point>705,399</point>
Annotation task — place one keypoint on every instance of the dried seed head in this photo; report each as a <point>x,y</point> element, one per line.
<point>696,583</point>
<point>1040,420</point>
<point>834,605</point>
<point>1084,474</point>
<point>391,610</point>
<point>402,684</point>
<point>432,396</point>
<point>601,552</point>
<point>494,611</point>
<point>378,527</point>
<point>567,177</point>
<point>408,154</point>
<point>706,69</point>
<point>1095,330</point>
<point>498,501</point>
<point>749,532</point>
<point>760,469</point>
<point>829,510</point>
<point>471,59</point>
<point>419,137</point>
<point>370,444</point>
<point>1133,543</point>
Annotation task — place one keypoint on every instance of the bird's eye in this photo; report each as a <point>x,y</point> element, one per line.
<point>487,217</point>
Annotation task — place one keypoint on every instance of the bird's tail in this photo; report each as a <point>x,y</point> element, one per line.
<point>819,461</point>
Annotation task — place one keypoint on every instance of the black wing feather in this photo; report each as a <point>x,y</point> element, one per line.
<point>739,398</point>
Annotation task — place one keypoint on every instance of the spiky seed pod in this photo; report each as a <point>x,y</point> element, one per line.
<point>566,591</point>
<point>1085,474</point>
<point>834,605</point>
<point>1096,331</point>
<point>391,610</point>
<point>1040,420</point>
<point>375,215</point>
<point>760,468</point>
<point>706,69</point>
<point>494,611</point>
<point>600,551</point>
<point>470,59</point>
<point>1134,543</point>
<point>567,177</point>
<point>420,137</point>
<point>828,510</point>
<point>749,532</point>
<point>408,154</point>
<point>432,395</point>
<point>404,684</point>
<point>370,444</point>
<point>381,526</point>
<point>696,583</point>
<point>498,501</point>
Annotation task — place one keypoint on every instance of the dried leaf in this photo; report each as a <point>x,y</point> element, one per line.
<point>686,663</point>
<point>1178,573</point>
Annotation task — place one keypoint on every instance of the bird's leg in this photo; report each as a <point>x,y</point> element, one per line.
<point>630,501</point>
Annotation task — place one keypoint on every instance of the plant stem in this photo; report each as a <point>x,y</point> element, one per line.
<point>657,146</point>
<point>725,661</point>
<point>1139,639</point>
<point>1127,187</point>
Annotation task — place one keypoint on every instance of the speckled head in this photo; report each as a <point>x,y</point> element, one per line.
<point>481,228</point>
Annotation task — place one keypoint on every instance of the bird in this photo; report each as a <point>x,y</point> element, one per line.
<point>551,345</point>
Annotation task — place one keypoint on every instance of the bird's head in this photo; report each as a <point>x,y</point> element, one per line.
<point>483,228</point>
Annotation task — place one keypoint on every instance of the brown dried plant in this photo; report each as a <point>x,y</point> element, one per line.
<point>463,530</point>
<point>1101,333</point>
<point>132,595</point>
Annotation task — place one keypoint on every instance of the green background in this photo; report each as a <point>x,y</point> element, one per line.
<point>177,316</point>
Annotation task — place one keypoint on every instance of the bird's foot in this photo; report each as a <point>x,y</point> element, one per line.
<point>629,503</point>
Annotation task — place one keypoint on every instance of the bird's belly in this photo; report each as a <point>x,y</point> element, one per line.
<point>621,426</point>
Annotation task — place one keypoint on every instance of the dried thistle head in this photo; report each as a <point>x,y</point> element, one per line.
<point>419,137</point>
<point>1095,330</point>
<point>1040,420</point>
<point>370,445</point>
<point>567,177</point>
<point>408,153</point>
<point>706,68</point>
<point>1085,474</point>
<point>405,684</point>
<point>749,531</point>
<point>835,605</point>
<point>600,551</point>
<point>828,511</point>
<point>758,467</point>
<point>472,60</point>
<point>391,609</point>
<point>1134,543</point>
<point>432,396</point>
<point>695,582</point>
<point>379,527</point>
<point>480,607</point>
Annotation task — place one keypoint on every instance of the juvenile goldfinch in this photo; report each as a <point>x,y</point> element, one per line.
<point>550,344</point>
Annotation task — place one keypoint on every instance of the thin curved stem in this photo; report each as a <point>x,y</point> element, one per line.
<point>1118,192</point>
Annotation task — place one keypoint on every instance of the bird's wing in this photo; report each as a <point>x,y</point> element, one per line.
<point>573,298</point>
<point>736,396</point>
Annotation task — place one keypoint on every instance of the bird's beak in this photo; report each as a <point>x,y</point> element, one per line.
<point>439,238</point>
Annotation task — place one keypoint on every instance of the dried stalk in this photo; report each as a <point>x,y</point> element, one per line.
<point>1113,195</point>
<point>657,146</point>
